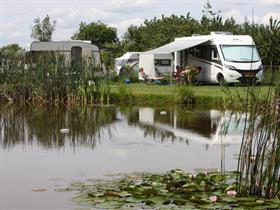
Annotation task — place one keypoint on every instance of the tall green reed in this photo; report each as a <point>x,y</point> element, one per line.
<point>50,77</point>
<point>259,159</point>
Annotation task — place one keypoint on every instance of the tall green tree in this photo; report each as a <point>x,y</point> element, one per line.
<point>11,49</point>
<point>43,30</point>
<point>98,33</point>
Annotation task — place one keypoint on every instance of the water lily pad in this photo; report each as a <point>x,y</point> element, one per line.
<point>172,190</point>
<point>144,191</point>
<point>109,205</point>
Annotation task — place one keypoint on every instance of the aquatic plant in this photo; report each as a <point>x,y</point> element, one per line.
<point>259,158</point>
<point>185,94</point>
<point>125,95</point>
<point>171,190</point>
<point>49,77</point>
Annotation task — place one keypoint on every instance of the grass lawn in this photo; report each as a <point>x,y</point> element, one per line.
<point>199,90</point>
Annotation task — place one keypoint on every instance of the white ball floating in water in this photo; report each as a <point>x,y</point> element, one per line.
<point>163,112</point>
<point>64,130</point>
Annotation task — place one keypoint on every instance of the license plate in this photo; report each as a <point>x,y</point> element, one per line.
<point>249,74</point>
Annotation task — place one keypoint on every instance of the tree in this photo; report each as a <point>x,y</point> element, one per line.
<point>209,12</point>
<point>11,51</point>
<point>43,31</point>
<point>98,33</point>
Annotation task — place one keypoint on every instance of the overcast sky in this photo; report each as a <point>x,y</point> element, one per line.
<point>17,16</point>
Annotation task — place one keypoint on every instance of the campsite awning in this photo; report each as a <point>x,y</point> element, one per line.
<point>178,45</point>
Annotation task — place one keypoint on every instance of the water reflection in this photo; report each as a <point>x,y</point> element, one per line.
<point>104,140</point>
<point>207,127</point>
<point>41,125</point>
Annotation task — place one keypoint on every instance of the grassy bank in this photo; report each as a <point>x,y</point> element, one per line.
<point>144,93</point>
<point>53,79</point>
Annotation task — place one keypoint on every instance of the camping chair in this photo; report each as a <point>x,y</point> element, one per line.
<point>147,78</point>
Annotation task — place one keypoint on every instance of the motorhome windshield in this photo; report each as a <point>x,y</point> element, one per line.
<point>240,53</point>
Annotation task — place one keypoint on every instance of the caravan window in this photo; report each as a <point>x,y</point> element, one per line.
<point>162,62</point>
<point>165,62</point>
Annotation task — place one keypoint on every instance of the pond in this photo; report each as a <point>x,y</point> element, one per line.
<point>36,156</point>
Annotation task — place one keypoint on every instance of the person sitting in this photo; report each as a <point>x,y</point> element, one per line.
<point>192,73</point>
<point>147,77</point>
<point>189,74</point>
<point>178,71</point>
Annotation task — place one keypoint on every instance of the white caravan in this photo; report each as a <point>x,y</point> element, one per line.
<point>222,56</point>
<point>72,50</point>
<point>162,62</point>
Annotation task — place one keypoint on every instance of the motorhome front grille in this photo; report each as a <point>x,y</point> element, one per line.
<point>246,80</point>
<point>248,73</point>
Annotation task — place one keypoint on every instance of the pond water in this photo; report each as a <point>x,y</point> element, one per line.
<point>36,157</point>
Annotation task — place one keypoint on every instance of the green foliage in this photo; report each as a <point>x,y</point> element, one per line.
<point>43,31</point>
<point>185,94</point>
<point>98,33</point>
<point>208,11</point>
<point>51,78</point>
<point>172,190</point>
<point>259,156</point>
<point>125,95</point>
<point>10,50</point>
<point>159,31</point>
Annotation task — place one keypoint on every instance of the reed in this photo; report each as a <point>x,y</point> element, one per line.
<point>51,78</point>
<point>185,94</point>
<point>259,158</point>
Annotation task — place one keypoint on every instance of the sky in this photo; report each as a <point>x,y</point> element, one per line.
<point>17,16</point>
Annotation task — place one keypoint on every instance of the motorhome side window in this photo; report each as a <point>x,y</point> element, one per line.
<point>215,55</point>
<point>202,52</point>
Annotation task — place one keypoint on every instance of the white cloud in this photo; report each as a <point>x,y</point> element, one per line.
<point>7,26</point>
<point>71,18</point>
<point>17,34</point>
<point>239,18</point>
<point>124,24</point>
<point>272,2</point>
<point>274,15</point>
<point>94,14</point>
<point>128,6</point>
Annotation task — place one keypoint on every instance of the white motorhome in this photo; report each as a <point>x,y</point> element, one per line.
<point>222,56</point>
<point>162,62</point>
<point>72,50</point>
